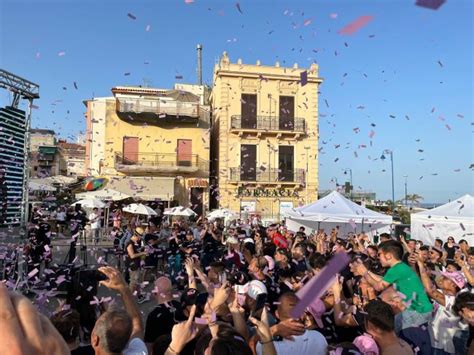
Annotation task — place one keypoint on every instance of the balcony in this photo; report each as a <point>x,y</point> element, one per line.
<point>161,107</point>
<point>267,125</point>
<point>268,176</point>
<point>161,163</point>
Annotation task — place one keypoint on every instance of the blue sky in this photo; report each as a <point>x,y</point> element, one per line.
<point>408,61</point>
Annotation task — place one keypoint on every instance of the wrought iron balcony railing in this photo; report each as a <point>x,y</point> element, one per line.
<point>160,162</point>
<point>268,175</point>
<point>268,123</point>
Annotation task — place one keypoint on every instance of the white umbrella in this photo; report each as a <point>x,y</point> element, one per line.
<point>138,208</point>
<point>222,213</point>
<point>180,211</point>
<point>90,203</point>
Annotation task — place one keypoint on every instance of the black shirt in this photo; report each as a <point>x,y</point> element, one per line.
<point>83,350</point>
<point>133,264</point>
<point>161,320</point>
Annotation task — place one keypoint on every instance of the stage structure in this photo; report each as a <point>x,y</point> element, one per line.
<point>14,149</point>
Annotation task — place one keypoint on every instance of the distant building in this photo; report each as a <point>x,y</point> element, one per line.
<point>264,137</point>
<point>71,158</point>
<point>44,157</point>
<point>366,197</point>
<point>152,143</point>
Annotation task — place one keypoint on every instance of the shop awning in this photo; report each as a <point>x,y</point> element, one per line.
<point>144,188</point>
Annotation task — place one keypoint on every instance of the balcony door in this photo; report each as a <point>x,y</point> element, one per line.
<point>248,162</point>
<point>286,163</point>
<point>130,150</point>
<point>185,152</point>
<point>287,113</point>
<point>249,111</point>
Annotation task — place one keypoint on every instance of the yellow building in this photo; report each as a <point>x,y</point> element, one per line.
<point>264,137</point>
<point>155,144</point>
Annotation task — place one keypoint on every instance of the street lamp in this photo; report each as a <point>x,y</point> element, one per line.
<point>387,151</point>
<point>406,190</point>
<point>350,175</point>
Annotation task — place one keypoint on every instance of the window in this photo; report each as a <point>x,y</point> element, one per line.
<point>285,163</point>
<point>287,113</point>
<point>130,150</point>
<point>249,111</point>
<point>248,162</point>
<point>185,152</point>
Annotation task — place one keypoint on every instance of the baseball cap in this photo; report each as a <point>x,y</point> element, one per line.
<point>252,288</point>
<point>455,277</point>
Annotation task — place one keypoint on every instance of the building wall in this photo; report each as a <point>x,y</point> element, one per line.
<point>40,139</point>
<point>96,114</point>
<point>268,83</point>
<point>154,139</point>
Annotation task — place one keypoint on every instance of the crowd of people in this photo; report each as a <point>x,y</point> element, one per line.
<point>230,288</point>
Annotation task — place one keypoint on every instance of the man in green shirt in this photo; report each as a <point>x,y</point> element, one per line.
<point>404,280</point>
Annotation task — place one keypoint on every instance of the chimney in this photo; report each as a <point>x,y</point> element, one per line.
<point>199,63</point>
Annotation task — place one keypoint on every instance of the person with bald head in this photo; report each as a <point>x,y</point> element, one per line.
<point>309,343</point>
<point>166,314</point>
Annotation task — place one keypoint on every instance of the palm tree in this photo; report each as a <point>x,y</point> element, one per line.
<point>414,199</point>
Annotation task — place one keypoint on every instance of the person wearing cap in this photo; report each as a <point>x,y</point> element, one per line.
<point>445,323</point>
<point>133,260</point>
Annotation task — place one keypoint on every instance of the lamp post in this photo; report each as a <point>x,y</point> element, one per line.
<point>350,175</point>
<point>387,151</point>
<point>406,190</point>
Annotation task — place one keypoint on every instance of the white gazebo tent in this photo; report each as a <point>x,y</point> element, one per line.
<point>103,195</point>
<point>180,212</point>
<point>335,210</point>
<point>455,219</point>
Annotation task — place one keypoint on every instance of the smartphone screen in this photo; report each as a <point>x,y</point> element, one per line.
<point>260,303</point>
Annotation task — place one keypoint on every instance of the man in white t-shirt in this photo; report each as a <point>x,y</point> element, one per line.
<point>94,219</point>
<point>309,343</point>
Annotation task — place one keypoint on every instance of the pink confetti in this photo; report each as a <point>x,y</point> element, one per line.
<point>356,25</point>
<point>188,1</point>
<point>307,22</point>
<point>371,134</point>
<point>333,16</point>
<point>61,54</point>
<point>32,273</point>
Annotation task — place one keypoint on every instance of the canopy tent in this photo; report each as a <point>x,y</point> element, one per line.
<point>90,203</point>
<point>104,195</point>
<point>336,210</point>
<point>179,211</point>
<point>455,219</point>
<point>40,186</point>
<point>138,208</point>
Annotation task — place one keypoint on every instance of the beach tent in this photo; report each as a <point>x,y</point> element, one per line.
<point>103,195</point>
<point>455,219</point>
<point>336,210</point>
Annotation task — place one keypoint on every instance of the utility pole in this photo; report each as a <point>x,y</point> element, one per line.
<point>387,151</point>
<point>406,190</point>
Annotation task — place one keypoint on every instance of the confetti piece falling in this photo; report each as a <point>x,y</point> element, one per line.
<point>237,5</point>
<point>147,28</point>
<point>333,16</point>
<point>430,4</point>
<point>38,55</point>
<point>75,85</point>
<point>61,54</point>
<point>353,27</point>
<point>371,134</point>
<point>188,1</point>
<point>304,78</point>
<point>133,17</point>
<point>307,22</point>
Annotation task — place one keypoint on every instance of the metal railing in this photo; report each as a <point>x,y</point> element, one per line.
<point>268,175</point>
<point>159,107</point>
<point>162,160</point>
<point>268,123</point>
